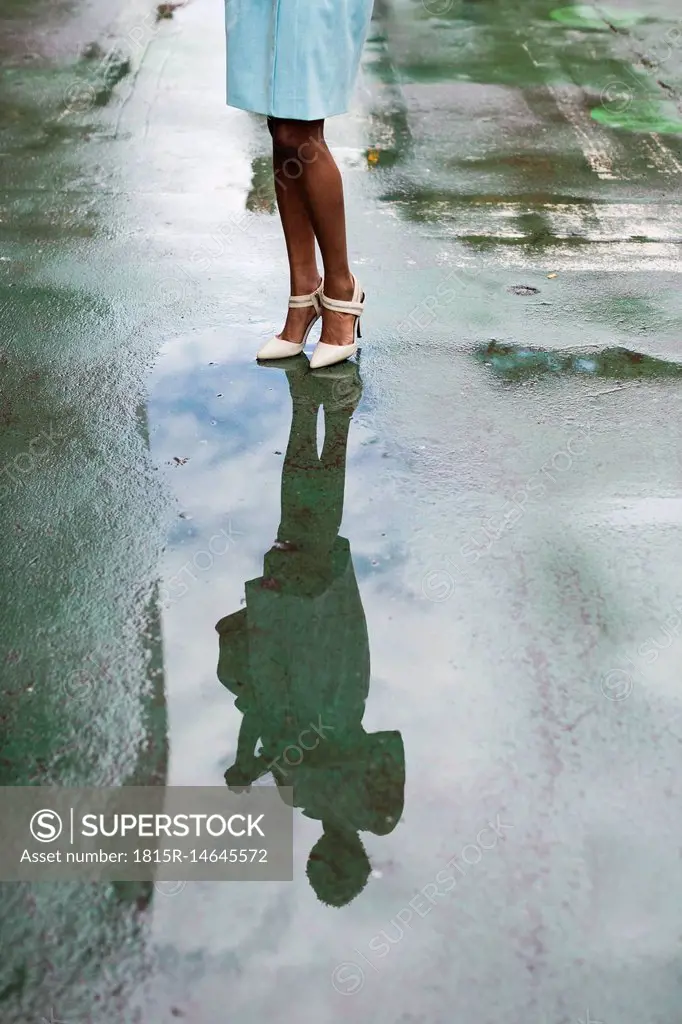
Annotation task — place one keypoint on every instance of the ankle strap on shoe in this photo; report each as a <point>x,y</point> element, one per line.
<point>304,301</point>
<point>355,307</point>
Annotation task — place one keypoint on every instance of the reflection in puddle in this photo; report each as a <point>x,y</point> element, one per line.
<point>516,362</point>
<point>387,122</point>
<point>261,196</point>
<point>297,656</point>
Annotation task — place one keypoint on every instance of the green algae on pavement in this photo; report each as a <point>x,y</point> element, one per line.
<point>82,686</point>
<point>585,16</point>
<point>520,362</point>
<point>643,121</point>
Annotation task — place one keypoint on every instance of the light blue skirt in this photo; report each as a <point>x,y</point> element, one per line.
<point>294,59</point>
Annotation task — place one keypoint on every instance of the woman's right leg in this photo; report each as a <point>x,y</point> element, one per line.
<point>299,237</point>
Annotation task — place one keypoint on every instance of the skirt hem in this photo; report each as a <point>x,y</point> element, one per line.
<point>277,112</point>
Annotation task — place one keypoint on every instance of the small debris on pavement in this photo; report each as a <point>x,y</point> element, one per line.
<point>523,289</point>
<point>93,51</point>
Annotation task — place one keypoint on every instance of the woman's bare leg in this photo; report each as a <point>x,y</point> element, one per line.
<point>299,237</point>
<point>301,150</point>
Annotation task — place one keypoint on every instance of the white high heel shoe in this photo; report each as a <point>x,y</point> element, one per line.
<point>279,348</point>
<point>327,355</point>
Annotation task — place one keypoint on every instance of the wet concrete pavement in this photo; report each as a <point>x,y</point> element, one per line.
<point>511,507</point>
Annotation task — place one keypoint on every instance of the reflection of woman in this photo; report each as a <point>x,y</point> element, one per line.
<point>297,657</point>
<point>296,61</point>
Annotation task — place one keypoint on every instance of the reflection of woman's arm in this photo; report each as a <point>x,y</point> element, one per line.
<point>247,767</point>
<point>249,734</point>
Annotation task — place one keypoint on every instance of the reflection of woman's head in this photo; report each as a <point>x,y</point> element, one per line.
<point>338,867</point>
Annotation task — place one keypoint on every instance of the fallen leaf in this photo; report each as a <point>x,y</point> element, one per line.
<point>167,10</point>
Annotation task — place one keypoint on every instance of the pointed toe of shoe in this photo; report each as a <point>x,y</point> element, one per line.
<point>278,348</point>
<point>327,355</point>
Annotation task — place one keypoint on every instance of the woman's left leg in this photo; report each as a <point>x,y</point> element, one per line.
<point>301,144</point>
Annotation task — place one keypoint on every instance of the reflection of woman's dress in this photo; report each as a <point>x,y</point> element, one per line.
<point>312,643</point>
<point>299,663</point>
<point>297,659</point>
